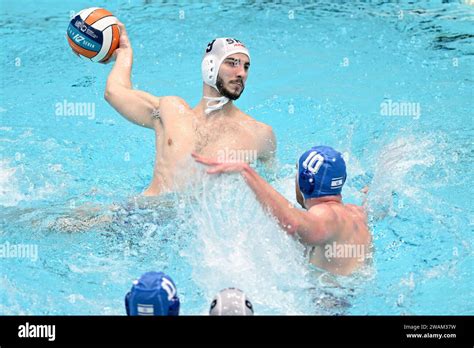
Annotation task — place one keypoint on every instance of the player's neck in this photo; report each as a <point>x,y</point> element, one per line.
<point>323,200</point>
<point>227,109</point>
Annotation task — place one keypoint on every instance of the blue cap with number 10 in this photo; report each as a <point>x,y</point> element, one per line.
<point>321,172</point>
<point>153,294</point>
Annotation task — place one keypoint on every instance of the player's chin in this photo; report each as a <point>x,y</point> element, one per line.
<point>235,91</point>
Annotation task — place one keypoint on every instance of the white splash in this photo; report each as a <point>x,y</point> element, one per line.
<point>395,162</point>
<point>10,193</point>
<point>237,244</point>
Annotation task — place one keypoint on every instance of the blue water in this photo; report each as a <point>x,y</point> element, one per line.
<point>320,73</point>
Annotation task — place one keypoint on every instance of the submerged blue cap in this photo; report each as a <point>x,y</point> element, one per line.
<point>321,172</point>
<point>153,294</point>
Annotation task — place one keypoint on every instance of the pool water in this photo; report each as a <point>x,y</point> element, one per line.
<point>334,73</point>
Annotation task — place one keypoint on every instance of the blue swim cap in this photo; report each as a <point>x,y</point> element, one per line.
<point>321,172</point>
<point>153,294</point>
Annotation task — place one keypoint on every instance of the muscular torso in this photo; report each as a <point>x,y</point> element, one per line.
<point>352,231</point>
<point>180,131</point>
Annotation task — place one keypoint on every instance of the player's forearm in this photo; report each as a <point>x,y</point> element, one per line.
<point>121,71</point>
<point>271,200</point>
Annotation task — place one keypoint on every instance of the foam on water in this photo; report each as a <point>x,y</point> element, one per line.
<point>20,183</point>
<point>10,193</point>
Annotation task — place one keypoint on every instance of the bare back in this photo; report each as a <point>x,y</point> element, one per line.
<point>350,245</point>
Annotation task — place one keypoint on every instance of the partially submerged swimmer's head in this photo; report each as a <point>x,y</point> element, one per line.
<point>225,68</point>
<point>154,293</point>
<point>321,173</point>
<point>231,301</point>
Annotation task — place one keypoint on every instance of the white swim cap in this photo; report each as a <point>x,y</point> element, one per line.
<point>216,51</point>
<point>231,301</point>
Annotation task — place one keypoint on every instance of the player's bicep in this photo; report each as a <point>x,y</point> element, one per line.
<point>136,106</point>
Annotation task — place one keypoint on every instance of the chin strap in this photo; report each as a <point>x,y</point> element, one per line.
<point>219,103</point>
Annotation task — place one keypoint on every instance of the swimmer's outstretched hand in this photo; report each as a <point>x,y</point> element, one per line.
<point>217,167</point>
<point>124,44</point>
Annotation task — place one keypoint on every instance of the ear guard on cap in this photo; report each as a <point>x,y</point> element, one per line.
<point>306,182</point>
<point>208,68</point>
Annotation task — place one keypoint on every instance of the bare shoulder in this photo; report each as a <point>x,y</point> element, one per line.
<point>265,133</point>
<point>173,104</point>
<point>173,101</point>
<point>323,211</point>
<point>262,127</point>
<point>266,130</point>
<point>263,130</point>
<point>357,210</point>
<point>166,112</point>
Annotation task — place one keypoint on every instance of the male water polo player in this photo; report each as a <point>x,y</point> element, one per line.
<point>336,234</point>
<point>213,126</point>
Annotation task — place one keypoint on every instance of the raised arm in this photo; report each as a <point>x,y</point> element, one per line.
<point>311,228</point>
<point>136,106</point>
